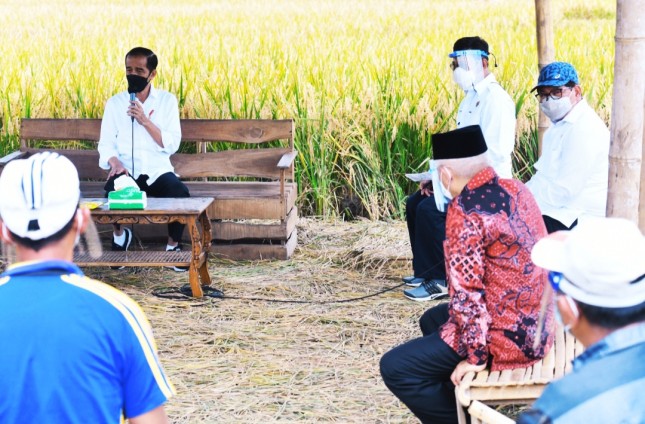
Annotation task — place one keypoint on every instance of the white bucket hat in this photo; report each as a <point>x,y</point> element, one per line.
<point>602,261</point>
<point>38,195</point>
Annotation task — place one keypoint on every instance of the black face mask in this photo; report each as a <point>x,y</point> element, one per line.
<point>136,83</point>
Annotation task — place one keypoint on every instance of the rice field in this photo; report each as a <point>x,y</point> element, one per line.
<point>367,81</point>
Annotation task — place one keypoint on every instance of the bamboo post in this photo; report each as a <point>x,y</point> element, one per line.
<point>642,197</point>
<point>546,54</point>
<point>626,150</point>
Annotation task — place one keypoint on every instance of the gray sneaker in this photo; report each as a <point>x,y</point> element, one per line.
<point>413,281</point>
<point>428,290</point>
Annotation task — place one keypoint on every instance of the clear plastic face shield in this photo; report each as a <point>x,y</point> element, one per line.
<point>468,68</point>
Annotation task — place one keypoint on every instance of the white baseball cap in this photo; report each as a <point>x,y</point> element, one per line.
<point>38,195</point>
<point>602,261</point>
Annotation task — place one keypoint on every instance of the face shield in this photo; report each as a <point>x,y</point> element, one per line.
<point>468,68</point>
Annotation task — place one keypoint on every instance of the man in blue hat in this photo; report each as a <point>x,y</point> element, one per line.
<point>486,104</point>
<point>495,290</point>
<point>570,180</point>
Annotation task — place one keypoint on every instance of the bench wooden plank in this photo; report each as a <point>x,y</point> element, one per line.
<point>256,251</point>
<point>239,130</point>
<point>257,163</point>
<point>60,129</point>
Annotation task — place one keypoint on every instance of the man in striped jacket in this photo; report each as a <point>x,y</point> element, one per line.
<point>74,350</point>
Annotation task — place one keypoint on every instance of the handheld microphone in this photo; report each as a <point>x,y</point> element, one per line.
<point>133,96</point>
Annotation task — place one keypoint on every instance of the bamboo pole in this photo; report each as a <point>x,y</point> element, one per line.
<point>626,150</point>
<point>546,54</point>
<point>642,197</point>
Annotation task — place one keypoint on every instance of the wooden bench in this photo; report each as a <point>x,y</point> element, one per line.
<point>521,385</point>
<point>253,186</point>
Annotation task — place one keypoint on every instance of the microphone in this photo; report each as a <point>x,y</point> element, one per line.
<point>133,96</point>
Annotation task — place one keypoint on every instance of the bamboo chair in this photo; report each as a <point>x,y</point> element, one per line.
<point>520,385</point>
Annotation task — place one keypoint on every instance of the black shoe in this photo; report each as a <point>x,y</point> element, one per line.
<point>177,268</point>
<point>122,247</point>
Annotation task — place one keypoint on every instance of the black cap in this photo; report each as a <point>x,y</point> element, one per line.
<point>471,43</point>
<point>461,143</point>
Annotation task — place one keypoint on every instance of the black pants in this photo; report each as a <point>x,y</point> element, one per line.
<point>427,230</point>
<point>418,372</point>
<point>553,225</point>
<point>167,185</point>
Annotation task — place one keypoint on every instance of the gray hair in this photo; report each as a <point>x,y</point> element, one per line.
<point>466,167</point>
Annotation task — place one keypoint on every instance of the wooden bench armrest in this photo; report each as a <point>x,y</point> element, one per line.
<point>11,156</point>
<point>287,160</point>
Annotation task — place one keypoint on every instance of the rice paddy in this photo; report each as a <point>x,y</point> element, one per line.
<point>367,81</point>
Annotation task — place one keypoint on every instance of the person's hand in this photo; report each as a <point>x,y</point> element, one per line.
<point>136,111</point>
<point>462,368</point>
<point>425,187</point>
<point>116,168</point>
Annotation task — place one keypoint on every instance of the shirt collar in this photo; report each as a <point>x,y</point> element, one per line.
<point>576,112</point>
<point>620,339</point>
<point>481,85</point>
<point>153,92</point>
<point>32,267</point>
<point>482,177</point>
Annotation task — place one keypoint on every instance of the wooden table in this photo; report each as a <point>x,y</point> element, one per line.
<point>190,211</point>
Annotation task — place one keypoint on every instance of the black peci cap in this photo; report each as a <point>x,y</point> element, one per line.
<point>461,143</point>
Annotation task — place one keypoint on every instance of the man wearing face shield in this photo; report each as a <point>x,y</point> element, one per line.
<point>139,132</point>
<point>571,175</point>
<point>495,290</point>
<point>597,274</point>
<point>486,104</point>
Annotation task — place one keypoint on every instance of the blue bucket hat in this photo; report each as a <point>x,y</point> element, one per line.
<point>557,74</point>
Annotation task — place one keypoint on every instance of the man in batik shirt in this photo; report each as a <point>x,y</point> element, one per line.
<point>495,290</point>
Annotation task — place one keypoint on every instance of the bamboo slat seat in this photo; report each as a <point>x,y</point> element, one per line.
<point>521,385</point>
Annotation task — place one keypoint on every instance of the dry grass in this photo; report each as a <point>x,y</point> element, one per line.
<point>235,360</point>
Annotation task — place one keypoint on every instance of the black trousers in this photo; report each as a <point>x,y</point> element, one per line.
<point>418,372</point>
<point>553,225</point>
<point>167,185</point>
<point>427,230</point>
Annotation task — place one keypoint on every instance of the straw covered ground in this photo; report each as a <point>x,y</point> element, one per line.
<point>240,360</point>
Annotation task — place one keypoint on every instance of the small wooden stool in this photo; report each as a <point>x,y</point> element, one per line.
<point>520,385</point>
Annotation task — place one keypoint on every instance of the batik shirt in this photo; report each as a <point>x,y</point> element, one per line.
<point>495,289</point>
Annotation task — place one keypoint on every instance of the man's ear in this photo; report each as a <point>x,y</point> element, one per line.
<point>6,234</point>
<point>83,216</point>
<point>152,75</point>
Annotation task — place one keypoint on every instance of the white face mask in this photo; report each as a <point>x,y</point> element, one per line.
<point>440,193</point>
<point>556,109</point>
<point>465,79</point>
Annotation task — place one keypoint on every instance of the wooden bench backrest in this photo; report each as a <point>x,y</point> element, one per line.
<point>247,162</point>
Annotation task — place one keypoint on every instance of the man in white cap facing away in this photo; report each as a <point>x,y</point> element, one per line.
<point>74,350</point>
<point>598,276</point>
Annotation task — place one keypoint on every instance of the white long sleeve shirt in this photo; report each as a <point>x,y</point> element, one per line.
<point>490,107</point>
<point>116,134</point>
<point>571,176</point>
